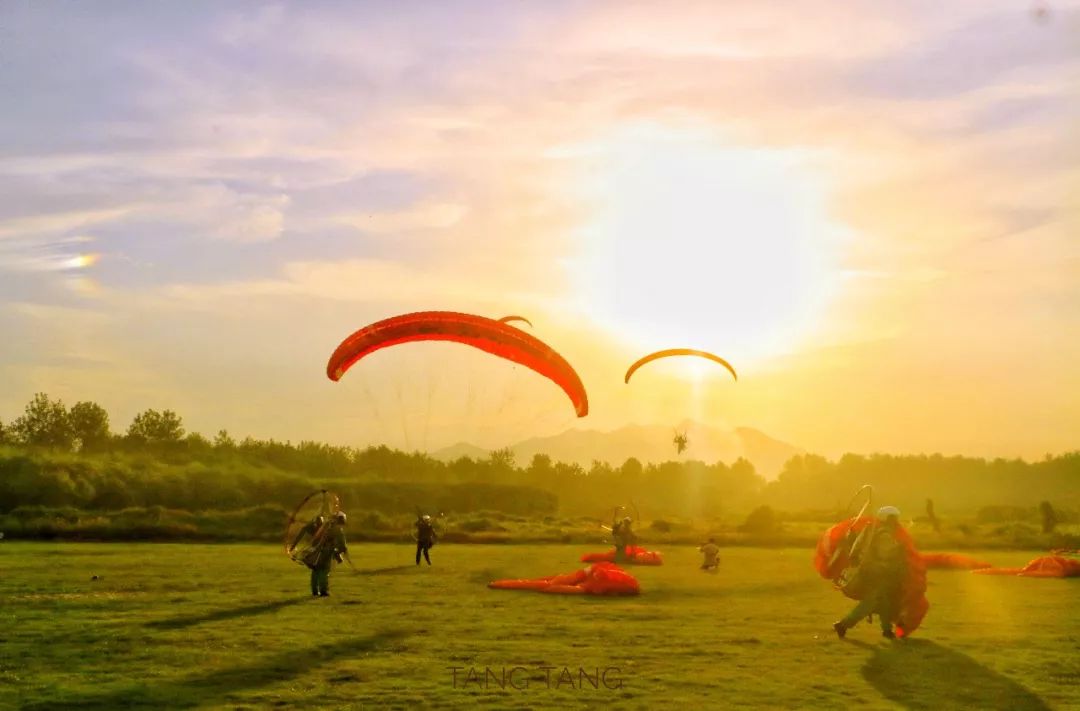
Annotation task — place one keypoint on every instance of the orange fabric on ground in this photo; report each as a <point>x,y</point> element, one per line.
<point>1047,566</point>
<point>953,560</point>
<point>636,555</point>
<point>598,579</point>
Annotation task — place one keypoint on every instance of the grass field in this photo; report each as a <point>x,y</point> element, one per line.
<point>233,626</point>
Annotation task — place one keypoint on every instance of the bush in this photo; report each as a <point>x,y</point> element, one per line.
<point>375,521</point>
<point>761,521</point>
<point>473,525</point>
<point>1004,514</point>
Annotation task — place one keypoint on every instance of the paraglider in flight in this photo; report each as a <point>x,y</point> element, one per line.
<point>486,334</point>
<point>681,442</point>
<point>678,352</point>
<point>508,319</point>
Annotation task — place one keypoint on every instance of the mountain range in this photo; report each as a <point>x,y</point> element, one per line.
<point>648,443</point>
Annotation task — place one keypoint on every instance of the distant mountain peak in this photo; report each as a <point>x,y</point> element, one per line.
<point>647,443</point>
<point>459,450</point>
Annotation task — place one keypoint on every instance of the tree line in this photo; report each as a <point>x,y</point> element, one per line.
<point>53,455</point>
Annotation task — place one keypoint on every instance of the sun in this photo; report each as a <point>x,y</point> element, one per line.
<point>691,242</point>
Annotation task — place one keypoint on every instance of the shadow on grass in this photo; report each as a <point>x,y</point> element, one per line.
<point>212,688</point>
<point>919,674</point>
<point>385,571</point>
<point>722,590</point>
<point>177,623</point>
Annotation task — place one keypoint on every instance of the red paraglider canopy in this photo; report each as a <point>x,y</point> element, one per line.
<point>955,561</point>
<point>1048,566</point>
<point>511,319</point>
<point>597,579</point>
<point>479,332</point>
<point>635,555</point>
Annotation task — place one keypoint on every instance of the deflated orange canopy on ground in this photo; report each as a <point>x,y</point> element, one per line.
<point>953,560</point>
<point>1047,566</point>
<point>597,579</point>
<point>636,555</point>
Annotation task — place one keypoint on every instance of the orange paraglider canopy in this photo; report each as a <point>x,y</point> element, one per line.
<point>511,319</point>
<point>954,561</point>
<point>1048,566</point>
<point>597,579</point>
<point>678,352</point>
<point>635,555</point>
<point>486,334</point>
<point>832,557</point>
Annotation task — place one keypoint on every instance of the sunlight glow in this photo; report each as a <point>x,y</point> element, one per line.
<point>81,261</point>
<point>693,243</point>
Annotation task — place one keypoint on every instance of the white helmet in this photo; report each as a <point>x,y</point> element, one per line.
<point>340,516</point>
<point>886,511</point>
<point>427,519</point>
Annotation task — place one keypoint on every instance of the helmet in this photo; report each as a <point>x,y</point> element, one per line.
<point>627,520</point>
<point>427,519</point>
<point>340,517</point>
<point>886,512</point>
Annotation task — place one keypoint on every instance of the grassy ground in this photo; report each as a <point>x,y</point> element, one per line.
<point>233,626</point>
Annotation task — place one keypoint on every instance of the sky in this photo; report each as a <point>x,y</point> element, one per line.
<point>869,209</point>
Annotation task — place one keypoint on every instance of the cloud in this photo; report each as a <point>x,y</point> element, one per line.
<point>231,215</point>
<point>49,224</point>
<point>368,281</point>
<point>428,216</point>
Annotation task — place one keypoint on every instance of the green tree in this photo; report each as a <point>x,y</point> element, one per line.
<point>762,520</point>
<point>156,428</point>
<point>222,440</point>
<point>1049,517</point>
<point>540,470</point>
<point>540,463</point>
<point>502,459</point>
<point>90,425</point>
<point>44,423</point>
<point>631,470</point>
<point>600,469</point>
<point>743,469</point>
<point>197,443</point>
<point>500,465</point>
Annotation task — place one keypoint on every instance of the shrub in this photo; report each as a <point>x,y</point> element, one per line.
<point>762,520</point>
